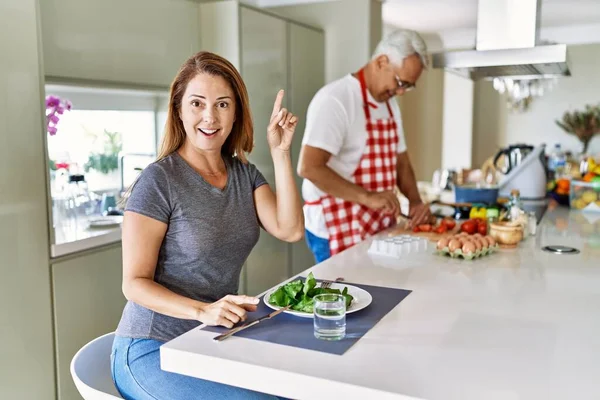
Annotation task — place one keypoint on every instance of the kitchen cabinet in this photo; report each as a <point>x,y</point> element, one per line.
<point>88,302</point>
<point>264,69</point>
<point>26,355</point>
<point>271,53</point>
<point>133,42</point>
<point>307,72</point>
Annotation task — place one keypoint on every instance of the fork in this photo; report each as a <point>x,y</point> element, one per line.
<point>326,284</point>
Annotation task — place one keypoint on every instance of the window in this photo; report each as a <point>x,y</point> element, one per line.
<point>107,136</point>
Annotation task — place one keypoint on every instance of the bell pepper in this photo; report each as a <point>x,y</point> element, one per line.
<point>478,212</point>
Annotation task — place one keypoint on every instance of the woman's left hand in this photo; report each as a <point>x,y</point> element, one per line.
<point>282,126</point>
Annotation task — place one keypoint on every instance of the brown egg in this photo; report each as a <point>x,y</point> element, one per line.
<point>477,235</point>
<point>469,248</point>
<point>484,243</point>
<point>491,241</point>
<point>442,243</point>
<point>477,244</point>
<point>453,245</point>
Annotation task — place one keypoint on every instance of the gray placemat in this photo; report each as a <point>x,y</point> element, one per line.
<point>294,331</point>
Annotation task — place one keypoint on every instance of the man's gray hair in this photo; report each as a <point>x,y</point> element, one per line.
<point>400,44</point>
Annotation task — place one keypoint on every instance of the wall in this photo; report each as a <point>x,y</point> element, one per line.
<point>422,117</point>
<point>352,29</point>
<point>134,41</point>
<point>26,354</point>
<point>496,127</point>
<point>489,122</point>
<point>457,122</point>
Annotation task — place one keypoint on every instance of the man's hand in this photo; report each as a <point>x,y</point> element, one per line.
<point>382,201</point>
<point>419,213</point>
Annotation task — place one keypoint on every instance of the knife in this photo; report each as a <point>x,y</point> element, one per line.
<point>249,324</point>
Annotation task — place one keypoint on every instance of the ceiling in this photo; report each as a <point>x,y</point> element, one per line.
<point>451,24</point>
<point>430,16</point>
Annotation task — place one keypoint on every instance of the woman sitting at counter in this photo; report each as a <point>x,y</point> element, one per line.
<point>191,220</point>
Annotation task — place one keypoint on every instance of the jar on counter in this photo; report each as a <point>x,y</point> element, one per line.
<point>80,196</point>
<point>492,214</point>
<point>532,223</point>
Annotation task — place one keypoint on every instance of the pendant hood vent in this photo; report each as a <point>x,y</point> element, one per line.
<point>507,45</point>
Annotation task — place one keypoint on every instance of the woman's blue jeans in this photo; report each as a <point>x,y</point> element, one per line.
<point>135,366</point>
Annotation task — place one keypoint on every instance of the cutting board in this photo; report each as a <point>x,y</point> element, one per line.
<point>401,229</point>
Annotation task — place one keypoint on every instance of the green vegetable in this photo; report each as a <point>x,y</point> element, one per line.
<point>301,294</point>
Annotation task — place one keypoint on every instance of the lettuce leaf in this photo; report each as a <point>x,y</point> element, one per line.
<point>293,288</point>
<point>299,294</point>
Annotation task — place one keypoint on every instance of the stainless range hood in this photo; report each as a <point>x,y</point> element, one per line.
<point>507,45</point>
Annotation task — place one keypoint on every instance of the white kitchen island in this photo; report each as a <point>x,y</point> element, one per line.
<point>518,324</point>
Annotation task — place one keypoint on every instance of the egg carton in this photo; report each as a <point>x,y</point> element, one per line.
<point>458,253</point>
<point>398,246</point>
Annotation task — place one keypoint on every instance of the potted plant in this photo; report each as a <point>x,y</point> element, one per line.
<point>583,124</point>
<point>108,160</point>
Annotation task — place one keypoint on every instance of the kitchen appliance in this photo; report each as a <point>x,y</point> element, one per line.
<point>513,155</point>
<point>527,173</point>
<point>444,179</point>
<point>507,45</point>
<point>130,166</point>
<point>476,193</point>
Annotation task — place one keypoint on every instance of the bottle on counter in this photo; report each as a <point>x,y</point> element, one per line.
<point>515,205</point>
<point>516,213</point>
<point>557,162</point>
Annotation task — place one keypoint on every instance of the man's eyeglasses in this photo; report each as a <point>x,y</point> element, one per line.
<point>407,86</point>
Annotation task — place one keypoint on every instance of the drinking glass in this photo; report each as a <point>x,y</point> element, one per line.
<point>329,316</point>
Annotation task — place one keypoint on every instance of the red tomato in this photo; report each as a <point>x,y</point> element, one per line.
<point>469,227</point>
<point>482,229</point>
<point>416,229</point>
<point>425,227</point>
<point>449,223</point>
<point>441,229</point>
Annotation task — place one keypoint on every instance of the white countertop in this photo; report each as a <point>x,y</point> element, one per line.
<point>519,324</point>
<point>80,236</point>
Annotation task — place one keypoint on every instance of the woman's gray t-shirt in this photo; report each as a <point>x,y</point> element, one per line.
<point>209,236</point>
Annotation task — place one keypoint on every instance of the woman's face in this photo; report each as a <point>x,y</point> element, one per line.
<point>207,112</point>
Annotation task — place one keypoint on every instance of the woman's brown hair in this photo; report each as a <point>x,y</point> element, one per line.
<point>241,139</point>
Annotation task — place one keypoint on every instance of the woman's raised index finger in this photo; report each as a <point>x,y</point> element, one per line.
<point>278,101</point>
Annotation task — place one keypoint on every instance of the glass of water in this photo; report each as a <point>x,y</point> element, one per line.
<point>330,316</point>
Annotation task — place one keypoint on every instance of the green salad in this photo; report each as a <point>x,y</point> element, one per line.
<point>300,294</point>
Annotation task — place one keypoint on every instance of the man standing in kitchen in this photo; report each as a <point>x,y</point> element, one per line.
<point>354,154</point>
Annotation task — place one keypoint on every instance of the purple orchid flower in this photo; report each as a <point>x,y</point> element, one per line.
<point>54,106</point>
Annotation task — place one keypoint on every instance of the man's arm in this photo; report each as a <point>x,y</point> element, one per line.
<point>406,180</point>
<point>312,165</point>
<point>407,183</point>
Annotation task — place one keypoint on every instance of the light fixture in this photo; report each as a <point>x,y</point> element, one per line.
<point>520,93</point>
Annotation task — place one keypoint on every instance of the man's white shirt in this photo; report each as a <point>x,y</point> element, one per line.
<point>336,123</point>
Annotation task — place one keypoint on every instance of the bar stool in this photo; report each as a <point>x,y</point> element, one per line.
<point>90,369</point>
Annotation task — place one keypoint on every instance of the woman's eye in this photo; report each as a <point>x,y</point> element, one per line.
<point>195,103</point>
<point>223,105</point>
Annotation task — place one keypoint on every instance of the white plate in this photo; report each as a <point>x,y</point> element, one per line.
<point>106,222</point>
<point>362,299</point>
